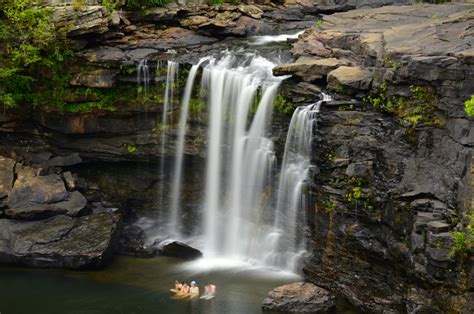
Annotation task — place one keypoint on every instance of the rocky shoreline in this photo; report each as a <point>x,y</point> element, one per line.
<point>390,186</point>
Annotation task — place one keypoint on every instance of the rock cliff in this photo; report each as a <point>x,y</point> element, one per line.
<point>393,180</point>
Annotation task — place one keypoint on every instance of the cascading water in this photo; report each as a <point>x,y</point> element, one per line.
<point>143,75</point>
<point>288,240</point>
<point>173,220</point>
<point>238,220</point>
<point>240,157</point>
<point>172,74</point>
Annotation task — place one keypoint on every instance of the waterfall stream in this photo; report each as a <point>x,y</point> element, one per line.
<point>174,219</point>
<point>239,219</point>
<point>288,244</point>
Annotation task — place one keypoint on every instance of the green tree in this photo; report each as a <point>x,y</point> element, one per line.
<point>28,42</point>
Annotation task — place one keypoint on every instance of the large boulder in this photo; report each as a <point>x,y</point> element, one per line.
<point>180,250</point>
<point>30,191</point>
<point>60,241</point>
<point>309,69</point>
<point>350,77</point>
<point>300,297</point>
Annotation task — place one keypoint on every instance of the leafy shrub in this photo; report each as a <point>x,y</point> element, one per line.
<point>111,5</point>
<point>469,107</point>
<point>143,4</point>
<point>460,244</point>
<point>215,1</point>
<point>419,108</point>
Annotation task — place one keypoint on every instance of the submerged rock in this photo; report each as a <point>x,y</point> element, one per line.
<point>299,297</point>
<point>60,241</point>
<point>132,242</point>
<point>180,250</point>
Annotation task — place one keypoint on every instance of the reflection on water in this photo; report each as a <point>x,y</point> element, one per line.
<point>133,285</point>
<point>137,285</point>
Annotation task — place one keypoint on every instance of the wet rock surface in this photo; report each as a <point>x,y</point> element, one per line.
<point>388,194</point>
<point>180,250</point>
<point>60,241</point>
<point>37,190</point>
<point>299,297</point>
<point>39,225</point>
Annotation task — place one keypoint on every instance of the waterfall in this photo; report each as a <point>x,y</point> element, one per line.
<point>240,159</point>
<point>172,71</point>
<point>174,220</point>
<point>143,75</point>
<point>243,217</point>
<point>288,243</point>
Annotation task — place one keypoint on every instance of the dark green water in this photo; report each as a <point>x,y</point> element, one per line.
<point>133,285</point>
<point>136,285</point>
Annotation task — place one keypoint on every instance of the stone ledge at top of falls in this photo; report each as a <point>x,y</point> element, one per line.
<point>418,44</point>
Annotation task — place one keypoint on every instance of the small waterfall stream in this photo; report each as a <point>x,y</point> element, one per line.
<point>143,75</point>
<point>171,75</point>
<point>288,242</point>
<point>174,219</point>
<point>239,219</point>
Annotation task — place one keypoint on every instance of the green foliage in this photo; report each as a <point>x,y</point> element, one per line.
<point>280,105</point>
<point>392,63</point>
<point>213,2</point>
<point>463,240</point>
<point>318,23</point>
<point>197,105</point>
<point>78,4</point>
<point>329,155</point>
<point>131,149</point>
<point>31,53</point>
<point>417,109</point>
<point>356,190</point>
<point>329,206</point>
<point>86,106</point>
<point>469,106</point>
<point>346,107</point>
<point>460,244</point>
<point>144,4</point>
<point>342,89</point>
<point>354,194</point>
<point>111,5</point>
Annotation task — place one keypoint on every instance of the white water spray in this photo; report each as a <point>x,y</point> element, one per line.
<point>174,219</point>
<point>289,244</point>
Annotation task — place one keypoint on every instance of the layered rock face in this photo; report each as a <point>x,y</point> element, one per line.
<point>44,221</point>
<point>392,184</point>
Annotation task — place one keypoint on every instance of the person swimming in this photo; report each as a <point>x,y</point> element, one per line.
<point>178,286</point>
<point>209,289</point>
<point>185,288</point>
<point>194,289</point>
